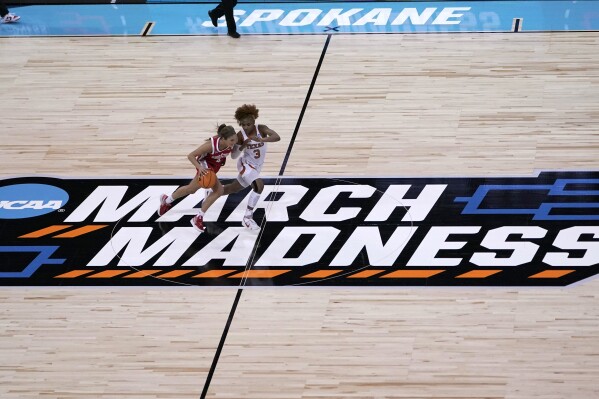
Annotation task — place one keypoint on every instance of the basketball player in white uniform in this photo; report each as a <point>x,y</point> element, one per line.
<point>252,141</point>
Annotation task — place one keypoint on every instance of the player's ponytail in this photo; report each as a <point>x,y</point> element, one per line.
<point>225,131</point>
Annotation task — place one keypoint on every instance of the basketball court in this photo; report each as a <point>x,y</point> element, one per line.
<point>361,104</point>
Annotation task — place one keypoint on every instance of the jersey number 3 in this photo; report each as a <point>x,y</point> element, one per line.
<point>256,154</point>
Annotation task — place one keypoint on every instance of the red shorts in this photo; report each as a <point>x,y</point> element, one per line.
<point>214,168</point>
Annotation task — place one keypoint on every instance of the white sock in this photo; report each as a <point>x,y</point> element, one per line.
<point>201,213</point>
<point>254,197</point>
<point>169,199</point>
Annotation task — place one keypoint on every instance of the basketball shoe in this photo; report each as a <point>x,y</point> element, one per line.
<point>250,224</point>
<point>10,18</point>
<point>198,223</point>
<point>213,18</point>
<point>164,206</point>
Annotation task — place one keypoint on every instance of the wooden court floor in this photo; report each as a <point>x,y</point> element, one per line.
<point>382,105</point>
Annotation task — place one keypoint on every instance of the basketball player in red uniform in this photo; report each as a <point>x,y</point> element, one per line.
<point>209,156</point>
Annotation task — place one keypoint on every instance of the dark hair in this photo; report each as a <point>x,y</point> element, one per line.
<point>246,110</point>
<point>225,131</point>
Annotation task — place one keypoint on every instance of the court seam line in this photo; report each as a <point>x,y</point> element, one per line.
<point>225,332</point>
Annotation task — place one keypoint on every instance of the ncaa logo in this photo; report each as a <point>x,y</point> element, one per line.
<point>20,201</point>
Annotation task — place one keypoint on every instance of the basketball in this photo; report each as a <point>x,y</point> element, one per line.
<point>208,180</point>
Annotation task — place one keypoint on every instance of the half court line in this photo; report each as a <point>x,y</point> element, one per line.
<point>223,337</point>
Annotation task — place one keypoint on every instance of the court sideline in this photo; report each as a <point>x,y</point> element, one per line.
<point>303,342</point>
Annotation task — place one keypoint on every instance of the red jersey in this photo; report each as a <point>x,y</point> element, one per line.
<point>215,159</point>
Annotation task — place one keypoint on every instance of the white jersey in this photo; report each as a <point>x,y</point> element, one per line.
<point>254,152</point>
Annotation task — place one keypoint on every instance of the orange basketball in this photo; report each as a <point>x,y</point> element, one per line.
<point>208,180</point>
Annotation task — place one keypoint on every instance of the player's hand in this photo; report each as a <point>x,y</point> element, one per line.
<point>202,171</point>
<point>245,143</point>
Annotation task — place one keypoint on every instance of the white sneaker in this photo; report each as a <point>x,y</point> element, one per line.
<point>249,223</point>
<point>10,18</point>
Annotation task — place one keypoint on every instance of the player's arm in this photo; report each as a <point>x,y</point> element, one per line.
<point>237,148</point>
<point>202,150</point>
<point>271,135</point>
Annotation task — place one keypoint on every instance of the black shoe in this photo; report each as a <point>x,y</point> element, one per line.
<point>213,18</point>
<point>234,35</point>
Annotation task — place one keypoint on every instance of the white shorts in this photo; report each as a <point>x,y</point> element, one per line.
<point>247,173</point>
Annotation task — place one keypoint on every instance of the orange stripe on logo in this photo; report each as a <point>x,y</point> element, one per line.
<point>142,274</point>
<point>81,231</point>
<point>321,273</point>
<point>412,274</point>
<point>74,274</point>
<point>551,274</point>
<point>478,273</point>
<point>213,273</point>
<point>259,274</point>
<point>366,273</point>
<point>175,273</point>
<point>108,273</point>
<point>46,231</point>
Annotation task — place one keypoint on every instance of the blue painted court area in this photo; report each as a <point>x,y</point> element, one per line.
<point>307,18</point>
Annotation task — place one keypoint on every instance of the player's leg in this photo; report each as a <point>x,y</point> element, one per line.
<point>233,187</point>
<point>198,220</point>
<point>257,188</point>
<point>192,187</point>
<point>258,185</point>
<point>242,179</point>
<point>217,191</point>
<point>166,201</point>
